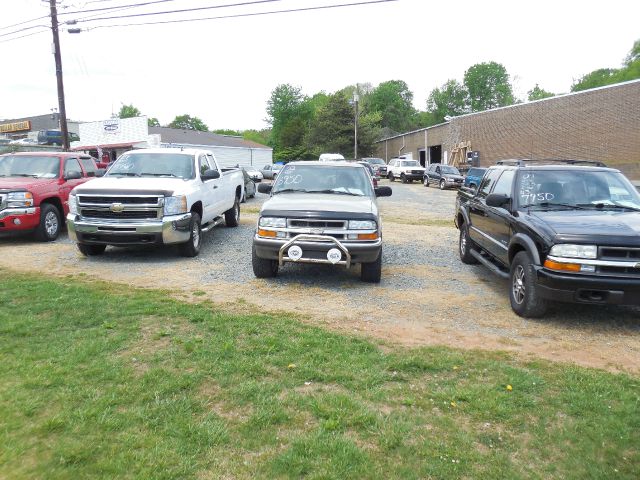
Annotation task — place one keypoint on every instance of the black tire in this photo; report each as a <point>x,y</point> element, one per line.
<point>263,267</point>
<point>426,182</point>
<point>371,272</point>
<point>192,247</point>
<point>232,216</point>
<point>523,288</point>
<point>391,177</point>
<point>91,250</point>
<point>244,198</point>
<point>403,178</point>
<point>442,185</point>
<point>465,244</point>
<point>50,223</point>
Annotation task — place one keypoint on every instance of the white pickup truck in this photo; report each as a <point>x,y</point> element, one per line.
<point>155,196</point>
<point>405,170</point>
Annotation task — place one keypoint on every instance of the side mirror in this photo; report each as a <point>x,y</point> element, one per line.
<point>100,172</point>
<point>72,175</point>
<point>209,175</point>
<point>383,191</point>
<point>498,200</point>
<point>264,188</point>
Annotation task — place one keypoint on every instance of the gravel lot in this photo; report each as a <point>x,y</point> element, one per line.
<point>426,297</point>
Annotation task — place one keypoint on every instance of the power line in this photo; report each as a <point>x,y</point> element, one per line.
<point>323,7</point>
<point>22,36</point>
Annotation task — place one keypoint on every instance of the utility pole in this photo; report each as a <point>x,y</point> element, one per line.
<point>355,124</point>
<point>56,55</point>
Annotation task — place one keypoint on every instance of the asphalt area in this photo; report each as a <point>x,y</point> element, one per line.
<point>426,296</point>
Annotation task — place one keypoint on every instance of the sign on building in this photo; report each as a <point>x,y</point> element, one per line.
<point>15,126</point>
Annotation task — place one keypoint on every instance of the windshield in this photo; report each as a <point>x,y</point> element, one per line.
<point>323,179</point>
<point>147,164</point>
<point>576,189</point>
<point>409,163</point>
<point>375,161</point>
<point>25,166</point>
<point>450,170</point>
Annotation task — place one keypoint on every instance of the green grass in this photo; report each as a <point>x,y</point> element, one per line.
<point>102,381</point>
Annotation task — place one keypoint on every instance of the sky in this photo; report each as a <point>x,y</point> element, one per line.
<point>224,70</point>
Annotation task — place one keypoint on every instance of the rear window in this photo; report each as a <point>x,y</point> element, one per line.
<point>89,166</point>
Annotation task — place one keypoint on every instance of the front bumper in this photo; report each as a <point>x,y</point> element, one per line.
<point>19,219</point>
<point>170,229</point>
<point>411,176</point>
<point>315,248</point>
<point>588,288</point>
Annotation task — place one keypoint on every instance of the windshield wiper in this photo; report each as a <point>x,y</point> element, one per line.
<point>33,175</point>
<point>602,206</point>
<point>291,190</point>
<point>339,192</point>
<point>143,174</point>
<point>573,206</point>
<point>126,174</point>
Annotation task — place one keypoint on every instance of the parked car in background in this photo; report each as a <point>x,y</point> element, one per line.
<point>473,177</point>
<point>369,168</point>
<point>249,186</point>
<point>330,157</point>
<point>270,171</point>
<point>445,176</point>
<point>379,166</point>
<point>255,175</point>
<point>54,137</point>
<point>34,190</point>
<point>405,170</point>
<point>24,141</point>
<point>320,212</point>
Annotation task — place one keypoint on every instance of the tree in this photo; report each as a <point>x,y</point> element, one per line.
<point>451,99</point>
<point>537,93</point>
<point>128,111</point>
<point>333,129</point>
<point>258,136</point>
<point>488,86</point>
<point>394,101</point>
<point>153,122</point>
<point>188,122</point>
<point>282,108</point>
<point>607,76</point>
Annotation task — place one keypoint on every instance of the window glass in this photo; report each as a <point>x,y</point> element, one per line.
<point>203,164</point>
<point>89,166</point>
<point>487,182</point>
<point>212,163</point>
<point>72,165</point>
<point>504,183</point>
<point>321,179</point>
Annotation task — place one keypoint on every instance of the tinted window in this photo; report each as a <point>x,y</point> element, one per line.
<point>72,165</point>
<point>487,182</point>
<point>504,183</point>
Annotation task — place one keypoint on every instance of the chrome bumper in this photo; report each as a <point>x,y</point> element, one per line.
<point>11,212</point>
<point>170,229</point>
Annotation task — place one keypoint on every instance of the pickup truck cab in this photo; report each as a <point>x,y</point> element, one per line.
<point>406,170</point>
<point>566,232</point>
<point>34,190</point>
<point>444,176</point>
<point>155,196</point>
<point>320,212</point>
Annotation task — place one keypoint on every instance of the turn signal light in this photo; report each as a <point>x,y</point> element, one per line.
<point>367,236</point>
<point>565,267</point>
<point>266,233</point>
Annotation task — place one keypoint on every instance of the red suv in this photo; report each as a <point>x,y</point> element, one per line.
<point>34,190</point>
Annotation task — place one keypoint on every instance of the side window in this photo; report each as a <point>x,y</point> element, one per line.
<point>505,182</point>
<point>487,182</point>
<point>212,162</point>
<point>203,164</point>
<point>72,165</point>
<point>267,167</point>
<point>438,170</point>
<point>89,166</point>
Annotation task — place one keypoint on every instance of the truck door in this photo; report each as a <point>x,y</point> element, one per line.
<point>222,190</point>
<point>498,220</point>
<point>209,190</point>
<point>478,214</point>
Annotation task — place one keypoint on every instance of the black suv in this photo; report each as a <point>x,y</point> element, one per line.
<point>568,231</point>
<point>445,176</point>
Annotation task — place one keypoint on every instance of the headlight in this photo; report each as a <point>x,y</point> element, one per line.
<point>574,251</point>
<point>362,225</point>
<point>272,222</point>
<point>19,199</point>
<point>175,205</point>
<point>73,205</point>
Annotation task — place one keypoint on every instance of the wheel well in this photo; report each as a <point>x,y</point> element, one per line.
<point>197,208</point>
<point>514,250</point>
<point>460,220</point>
<point>238,191</point>
<point>55,202</point>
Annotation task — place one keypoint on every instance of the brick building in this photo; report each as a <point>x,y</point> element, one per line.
<point>600,124</point>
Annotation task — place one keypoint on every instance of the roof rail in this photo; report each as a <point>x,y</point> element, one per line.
<point>527,161</point>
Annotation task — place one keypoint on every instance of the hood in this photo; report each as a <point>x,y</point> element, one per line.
<point>25,183</point>
<point>132,185</point>
<point>604,227</point>
<point>320,205</point>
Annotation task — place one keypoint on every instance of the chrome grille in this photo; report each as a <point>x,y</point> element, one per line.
<point>121,207</point>
<point>619,254</point>
<point>3,201</point>
<point>331,228</point>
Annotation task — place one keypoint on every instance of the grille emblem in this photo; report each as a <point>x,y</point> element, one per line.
<point>637,265</point>
<point>116,207</point>
<point>317,231</point>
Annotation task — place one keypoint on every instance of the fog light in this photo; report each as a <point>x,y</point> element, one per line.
<point>588,268</point>
<point>16,221</point>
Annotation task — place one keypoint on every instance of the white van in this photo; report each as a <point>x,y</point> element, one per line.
<point>330,157</point>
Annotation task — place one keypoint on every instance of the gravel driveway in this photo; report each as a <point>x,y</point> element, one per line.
<point>426,297</point>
